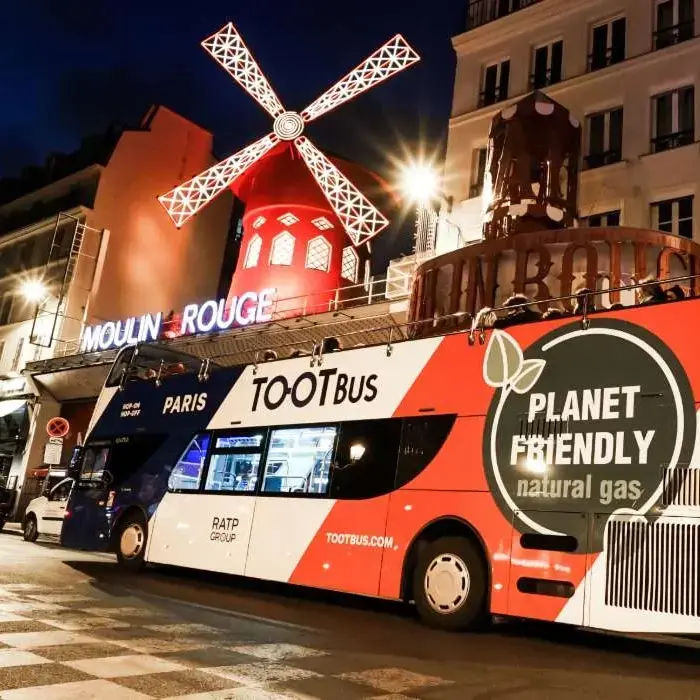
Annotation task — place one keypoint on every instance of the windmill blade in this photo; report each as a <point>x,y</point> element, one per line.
<point>387,60</point>
<point>359,216</point>
<point>228,49</point>
<point>187,199</point>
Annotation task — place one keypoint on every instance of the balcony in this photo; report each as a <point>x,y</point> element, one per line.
<point>598,160</point>
<point>600,59</point>
<point>492,95</point>
<point>666,142</point>
<point>669,36</point>
<point>484,11</point>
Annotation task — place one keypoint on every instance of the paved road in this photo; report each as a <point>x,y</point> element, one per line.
<point>73,626</point>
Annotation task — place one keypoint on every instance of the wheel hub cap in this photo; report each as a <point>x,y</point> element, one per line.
<point>131,541</point>
<point>446,583</point>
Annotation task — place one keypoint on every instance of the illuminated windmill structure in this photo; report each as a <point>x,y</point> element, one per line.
<point>304,225</point>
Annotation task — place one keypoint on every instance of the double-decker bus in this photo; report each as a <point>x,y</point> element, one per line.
<point>546,470</point>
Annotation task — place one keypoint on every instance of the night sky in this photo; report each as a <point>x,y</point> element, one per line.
<point>70,67</point>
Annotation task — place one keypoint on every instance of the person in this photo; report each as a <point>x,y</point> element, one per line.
<point>519,311</point>
<point>675,293</point>
<point>552,313</point>
<point>651,292</point>
<point>617,306</point>
<point>585,301</point>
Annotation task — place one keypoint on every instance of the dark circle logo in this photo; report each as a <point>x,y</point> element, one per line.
<point>584,421</point>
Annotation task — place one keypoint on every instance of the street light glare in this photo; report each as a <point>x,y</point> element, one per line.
<point>33,290</point>
<point>420,182</point>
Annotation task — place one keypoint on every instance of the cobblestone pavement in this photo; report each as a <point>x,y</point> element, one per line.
<point>68,631</point>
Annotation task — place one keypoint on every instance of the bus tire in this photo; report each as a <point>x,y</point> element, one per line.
<point>30,529</point>
<point>449,584</point>
<point>131,542</point>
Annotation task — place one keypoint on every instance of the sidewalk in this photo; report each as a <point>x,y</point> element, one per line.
<point>13,528</point>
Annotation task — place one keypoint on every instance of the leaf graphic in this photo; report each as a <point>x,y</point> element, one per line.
<point>503,359</point>
<point>529,374</point>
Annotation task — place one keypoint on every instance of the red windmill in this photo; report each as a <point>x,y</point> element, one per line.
<point>295,236</point>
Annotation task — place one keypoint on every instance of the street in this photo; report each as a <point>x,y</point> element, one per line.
<point>72,625</point>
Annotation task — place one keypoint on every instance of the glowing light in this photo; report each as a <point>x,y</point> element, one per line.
<point>357,214</point>
<point>33,290</point>
<point>357,451</point>
<point>537,466</point>
<point>420,182</point>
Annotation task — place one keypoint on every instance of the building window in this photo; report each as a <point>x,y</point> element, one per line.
<point>282,249</point>
<point>349,264</point>
<point>17,359</point>
<point>674,216</point>
<point>675,22</point>
<point>547,64</point>
<point>287,219</point>
<point>252,255</point>
<point>318,254</point>
<point>608,218</point>
<point>259,221</point>
<point>607,44</point>
<point>322,224</point>
<point>673,119</point>
<point>478,171</point>
<point>604,131</point>
<point>494,86</point>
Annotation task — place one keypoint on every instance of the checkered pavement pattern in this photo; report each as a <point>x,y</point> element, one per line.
<point>81,642</point>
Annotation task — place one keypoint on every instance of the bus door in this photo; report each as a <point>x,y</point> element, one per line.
<point>204,519</point>
<point>545,568</point>
<point>320,517</point>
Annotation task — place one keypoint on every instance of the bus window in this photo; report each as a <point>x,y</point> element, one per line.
<point>421,439</point>
<point>365,462</point>
<point>94,462</point>
<point>299,459</point>
<point>187,473</point>
<point>235,462</point>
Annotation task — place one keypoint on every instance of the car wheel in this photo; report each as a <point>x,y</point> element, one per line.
<point>131,542</point>
<point>31,530</point>
<point>449,584</point>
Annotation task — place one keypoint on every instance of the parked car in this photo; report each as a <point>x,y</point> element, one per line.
<point>44,514</point>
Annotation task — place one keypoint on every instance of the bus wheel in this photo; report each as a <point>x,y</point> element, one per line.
<point>449,584</point>
<point>30,529</point>
<point>131,542</point>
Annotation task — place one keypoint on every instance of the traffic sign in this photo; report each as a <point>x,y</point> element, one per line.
<point>57,427</point>
<point>53,450</point>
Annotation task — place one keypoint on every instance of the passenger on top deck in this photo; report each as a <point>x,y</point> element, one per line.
<point>519,311</point>
<point>651,293</point>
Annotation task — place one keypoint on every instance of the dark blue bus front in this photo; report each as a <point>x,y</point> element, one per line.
<point>144,420</point>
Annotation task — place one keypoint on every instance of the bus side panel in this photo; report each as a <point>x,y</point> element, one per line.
<point>410,512</point>
<point>346,553</point>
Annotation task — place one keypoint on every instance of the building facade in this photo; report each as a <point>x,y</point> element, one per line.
<point>626,70</point>
<point>84,240</point>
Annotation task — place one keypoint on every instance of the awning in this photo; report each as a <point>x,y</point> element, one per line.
<point>73,383</point>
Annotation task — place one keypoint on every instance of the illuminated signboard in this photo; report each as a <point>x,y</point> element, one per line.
<point>249,307</point>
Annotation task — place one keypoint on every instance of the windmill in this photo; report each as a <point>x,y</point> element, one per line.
<point>358,216</point>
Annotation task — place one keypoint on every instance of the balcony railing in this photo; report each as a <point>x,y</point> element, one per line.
<point>548,77</point>
<point>666,142</point>
<point>485,11</point>
<point>598,60</point>
<point>598,160</point>
<point>674,35</point>
<point>491,96</point>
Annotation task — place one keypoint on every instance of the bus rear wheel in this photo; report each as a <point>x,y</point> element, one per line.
<point>131,542</point>
<point>30,530</point>
<point>449,584</point>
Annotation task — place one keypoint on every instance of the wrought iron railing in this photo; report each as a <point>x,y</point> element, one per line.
<point>484,11</point>
<point>669,36</point>
<point>603,59</point>
<point>666,142</point>
<point>598,160</point>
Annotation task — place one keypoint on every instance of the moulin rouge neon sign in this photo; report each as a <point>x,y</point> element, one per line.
<point>247,308</point>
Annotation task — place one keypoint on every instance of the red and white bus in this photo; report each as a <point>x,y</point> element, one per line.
<point>550,471</point>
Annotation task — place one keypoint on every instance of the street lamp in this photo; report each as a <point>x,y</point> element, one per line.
<point>33,290</point>
<point>420,182</point>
